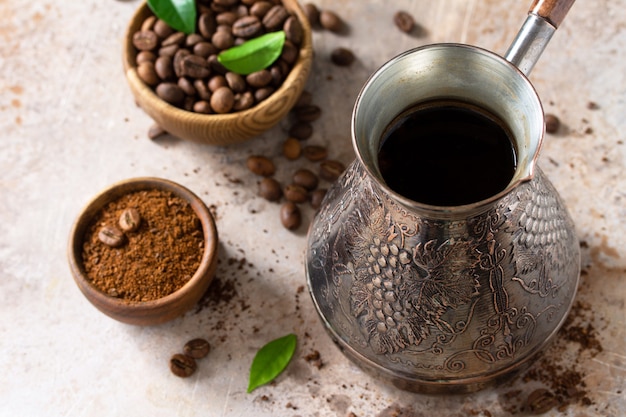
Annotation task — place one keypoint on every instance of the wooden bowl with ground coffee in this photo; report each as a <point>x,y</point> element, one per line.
<point>144,250</point>
<point>179,82</point>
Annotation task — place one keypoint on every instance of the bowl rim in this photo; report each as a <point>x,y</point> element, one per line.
<point>208,262</point>
<point>302,65</point>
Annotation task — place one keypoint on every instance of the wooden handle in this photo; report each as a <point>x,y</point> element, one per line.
<point>553,11</point>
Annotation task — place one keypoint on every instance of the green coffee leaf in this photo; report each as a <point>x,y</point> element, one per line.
<point>179,14</point>
<point>253,55</point>
<point>271,360</point>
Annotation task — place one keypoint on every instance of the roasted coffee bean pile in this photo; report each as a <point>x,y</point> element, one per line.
<point>184,70</point>
<point>304,186</point>
<point>184,364</point>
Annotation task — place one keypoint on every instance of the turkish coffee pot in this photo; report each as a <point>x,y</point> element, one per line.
<point>437,297</point>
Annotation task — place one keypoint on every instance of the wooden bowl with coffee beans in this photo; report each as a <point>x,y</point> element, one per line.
<point>197,87</point>
<point>144,250</point>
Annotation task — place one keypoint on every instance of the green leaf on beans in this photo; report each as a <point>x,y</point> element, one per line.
<point>178,14</point>
<point>253,55</point>
<point>271,360</point>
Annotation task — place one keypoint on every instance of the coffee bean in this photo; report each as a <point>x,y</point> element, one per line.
<point>222,100</point>
<point>204,49</point>
<point>552,123</point>
<point>111,236</point>
<point>170,92</point>
<point>187,86</point>
<point>243,101</point>
<point>148,24</point>
<point>147,73</point>
<point>312,13</point>
<point>195,67</point>
<point>331,21</point>
<point>247,27</point>
<point>216,66</point>
<point>275,17</point>
<point>197,348</point>
<point>290,52</point>
<point>217,81</point>
<point>331,170</point>
<point>261,165</point>
<point>193,39</point>
<point>222,39</point>
<point>202,106</point>
<point>182,365</point>
<point>145,56</point>
<point>236,82</point>
<point>270,189</point>
<point>259,78</point>
<point>290,215</point>
<point>293,30</point>
<point>145,40</point>
<point>176,38</point>
<point>263,93</point>
<point>305,99</point>
<point>305,178</point>
<point>308,113</point>
<point>207,25</point>
<point>315,153</point>
<point>541,401</point>
<point>169,50</point>
<point>260,8</point>
<point>164,68</point>
<point>162,29</point>
<point>292,149</point>
<point>317,197</point>
<point>130,220</point>
<point>155,131</point>
<point>295,193</point>
<point>404,21</point>
<point>177,61</point>
<point>225,3</point>
<point>202,89</point>
<point>301,130</point>
<point>226,18</point>
<point>342,57</point>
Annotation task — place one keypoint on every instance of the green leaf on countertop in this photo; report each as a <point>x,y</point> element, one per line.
<point>178,14</point>
<point>271,360</point>
<point>253,55</point>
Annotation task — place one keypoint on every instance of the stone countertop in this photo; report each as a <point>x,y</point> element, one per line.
<point>70,128</point>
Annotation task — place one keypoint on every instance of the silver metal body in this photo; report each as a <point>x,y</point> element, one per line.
<point>443,299</point>
<point>530,42</point>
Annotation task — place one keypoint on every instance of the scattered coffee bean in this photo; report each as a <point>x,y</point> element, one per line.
<point>552,123</point>
<point>290,216</point>
<point>155,131</point>
<point>331,170</point>
<point>342,57</point>
<point>316,198</point>
<point>315,153</point>
<point>292,149</point>
<point>261,165</point>
<point>270,189</point>
<point>312,13</point>
<point>111,236</point>
<point>295,193</point>
<point>541,401</point>
<point>305,178</point>
<point>301,130</point>
<point>305,99</point>
<point>197,348</point>
<point>308,113</point>
<point>182,365</point>
<point>331,21</point>
<point>130,220</point>
<point>592,105</point>
<point>404,21</point>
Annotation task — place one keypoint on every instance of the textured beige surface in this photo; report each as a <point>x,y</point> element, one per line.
<point>70,128</point>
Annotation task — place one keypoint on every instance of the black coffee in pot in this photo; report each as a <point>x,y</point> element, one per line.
<point>447,153</point>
